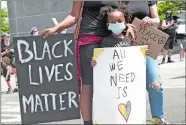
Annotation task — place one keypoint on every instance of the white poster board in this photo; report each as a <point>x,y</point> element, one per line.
<point>119,85</point>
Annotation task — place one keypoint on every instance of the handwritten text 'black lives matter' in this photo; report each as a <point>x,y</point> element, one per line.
<point>119,78</point>
<point>48,53</point>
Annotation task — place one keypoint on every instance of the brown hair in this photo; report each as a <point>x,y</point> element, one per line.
<point>107,9</point>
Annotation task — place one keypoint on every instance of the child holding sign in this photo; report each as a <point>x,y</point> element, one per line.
<point>116,20</point>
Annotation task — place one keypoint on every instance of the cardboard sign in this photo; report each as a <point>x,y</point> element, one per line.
<point>150,36</point>
<point>48,89</point>
<point>119,85</point>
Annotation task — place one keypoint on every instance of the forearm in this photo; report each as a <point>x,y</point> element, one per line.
<point>3,53</point>
<point>155,21</point>
<point>166,26</point>
<point>66,23</point>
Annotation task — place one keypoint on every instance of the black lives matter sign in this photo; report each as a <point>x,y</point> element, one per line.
<point>48,89</point>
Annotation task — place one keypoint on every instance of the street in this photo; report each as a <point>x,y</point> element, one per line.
<point>173,77</point>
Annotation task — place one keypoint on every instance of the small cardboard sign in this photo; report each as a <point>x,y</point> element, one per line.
<point>119,85</point>
<point>150,36</point>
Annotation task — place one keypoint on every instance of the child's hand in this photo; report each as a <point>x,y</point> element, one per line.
<point>147,52</point>
<point>131,31</point>
<point>93,63</point>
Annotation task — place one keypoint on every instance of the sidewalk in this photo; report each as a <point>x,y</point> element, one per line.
<point>4,86</point>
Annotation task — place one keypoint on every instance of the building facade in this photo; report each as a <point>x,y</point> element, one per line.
<point>25,14</point>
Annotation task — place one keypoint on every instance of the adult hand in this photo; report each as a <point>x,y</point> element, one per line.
<point>7,51</point>
<point>2,54</point>
<point>172,22</point>
<point>12,50</point>
<point>131,30</point>
<point>147,21</point>
<point>176,25</point>
<point>47,32</point>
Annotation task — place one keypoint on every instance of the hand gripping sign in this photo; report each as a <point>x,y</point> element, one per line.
<point>150,36</point>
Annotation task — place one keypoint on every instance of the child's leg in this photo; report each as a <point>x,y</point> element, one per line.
<point>155,92</point>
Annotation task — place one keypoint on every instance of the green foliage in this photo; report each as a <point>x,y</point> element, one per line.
<point>174,6</point>
<point>4,22</point>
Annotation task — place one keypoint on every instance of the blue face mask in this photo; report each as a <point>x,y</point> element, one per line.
<point>117,28</point>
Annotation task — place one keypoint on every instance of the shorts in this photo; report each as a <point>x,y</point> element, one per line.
<point>169,43</point>
<point>86,53</point>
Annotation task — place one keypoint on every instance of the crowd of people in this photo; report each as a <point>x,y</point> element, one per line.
<point>106,24</point>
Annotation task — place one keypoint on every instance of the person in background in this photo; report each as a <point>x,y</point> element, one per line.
<point>34,31</point>
<point>178,40</point>
<point>6,73</point>
<point>169,26</point>
<point>7,53</point>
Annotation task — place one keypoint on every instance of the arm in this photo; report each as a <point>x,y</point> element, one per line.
<point>5,52</point>
<point>154,14</point>
<point>176,25</point>
<point>71,19</point>
<point>165,26</point>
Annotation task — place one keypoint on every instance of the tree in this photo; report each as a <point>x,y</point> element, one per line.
<point>4,22</point>
<point>174,6</point>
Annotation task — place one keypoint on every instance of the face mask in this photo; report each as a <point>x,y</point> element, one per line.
<point>117,28</point>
